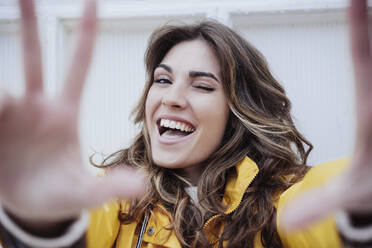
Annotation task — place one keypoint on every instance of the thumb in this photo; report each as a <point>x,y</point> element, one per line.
<point>121,183</point>
<point>311,206</point>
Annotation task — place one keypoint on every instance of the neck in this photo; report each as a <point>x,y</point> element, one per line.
<point>192,174</point>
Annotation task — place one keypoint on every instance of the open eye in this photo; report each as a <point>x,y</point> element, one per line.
<point>162,81</point>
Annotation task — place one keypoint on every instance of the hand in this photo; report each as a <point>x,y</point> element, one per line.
<point>352,191</point>
<point>42,177</point>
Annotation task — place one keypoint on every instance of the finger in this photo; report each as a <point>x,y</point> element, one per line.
<point>83,53</point>
<point>5,100</point>
<point>309,208</point>
<point>119,184</point>
<point>31,48</point>
<point>360,46</point>
<point>362,62</point>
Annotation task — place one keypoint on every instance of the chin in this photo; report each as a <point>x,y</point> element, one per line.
<point>171,162</point>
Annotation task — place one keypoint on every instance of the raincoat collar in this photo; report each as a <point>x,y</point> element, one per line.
<point>236,186</point>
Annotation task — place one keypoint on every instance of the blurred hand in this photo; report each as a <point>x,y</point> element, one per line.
<point>352,191</point>
<point>42,176</point>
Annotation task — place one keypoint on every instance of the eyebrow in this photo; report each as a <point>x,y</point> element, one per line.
<point>192,74</point>
<point>165,67</point>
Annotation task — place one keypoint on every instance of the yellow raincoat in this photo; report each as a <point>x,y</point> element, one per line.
<point>105,227</point>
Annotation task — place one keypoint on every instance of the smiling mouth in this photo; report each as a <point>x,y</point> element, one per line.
<point>171,128</point>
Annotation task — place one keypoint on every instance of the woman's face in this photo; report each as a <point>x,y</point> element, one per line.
<point>186,109</point>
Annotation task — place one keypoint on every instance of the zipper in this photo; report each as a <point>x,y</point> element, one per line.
<point>232,210</point>
<point>142,231</point>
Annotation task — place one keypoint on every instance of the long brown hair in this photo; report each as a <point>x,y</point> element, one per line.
<point>260,126</point>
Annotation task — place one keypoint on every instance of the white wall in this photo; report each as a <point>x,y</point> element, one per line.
<point>304,41</point>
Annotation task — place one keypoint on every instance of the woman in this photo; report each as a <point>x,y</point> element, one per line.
<point>209,102</point>
<point>244,158</point>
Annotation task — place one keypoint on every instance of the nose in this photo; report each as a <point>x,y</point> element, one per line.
<point>175,97</point>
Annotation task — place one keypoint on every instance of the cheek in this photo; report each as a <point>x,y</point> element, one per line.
<point>215,116</point>
<point>149,106</point>
<point>147,110</point>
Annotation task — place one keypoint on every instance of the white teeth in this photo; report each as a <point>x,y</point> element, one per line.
<point>172,124</point>
<point>183,127</point>
<point>175,125</point>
